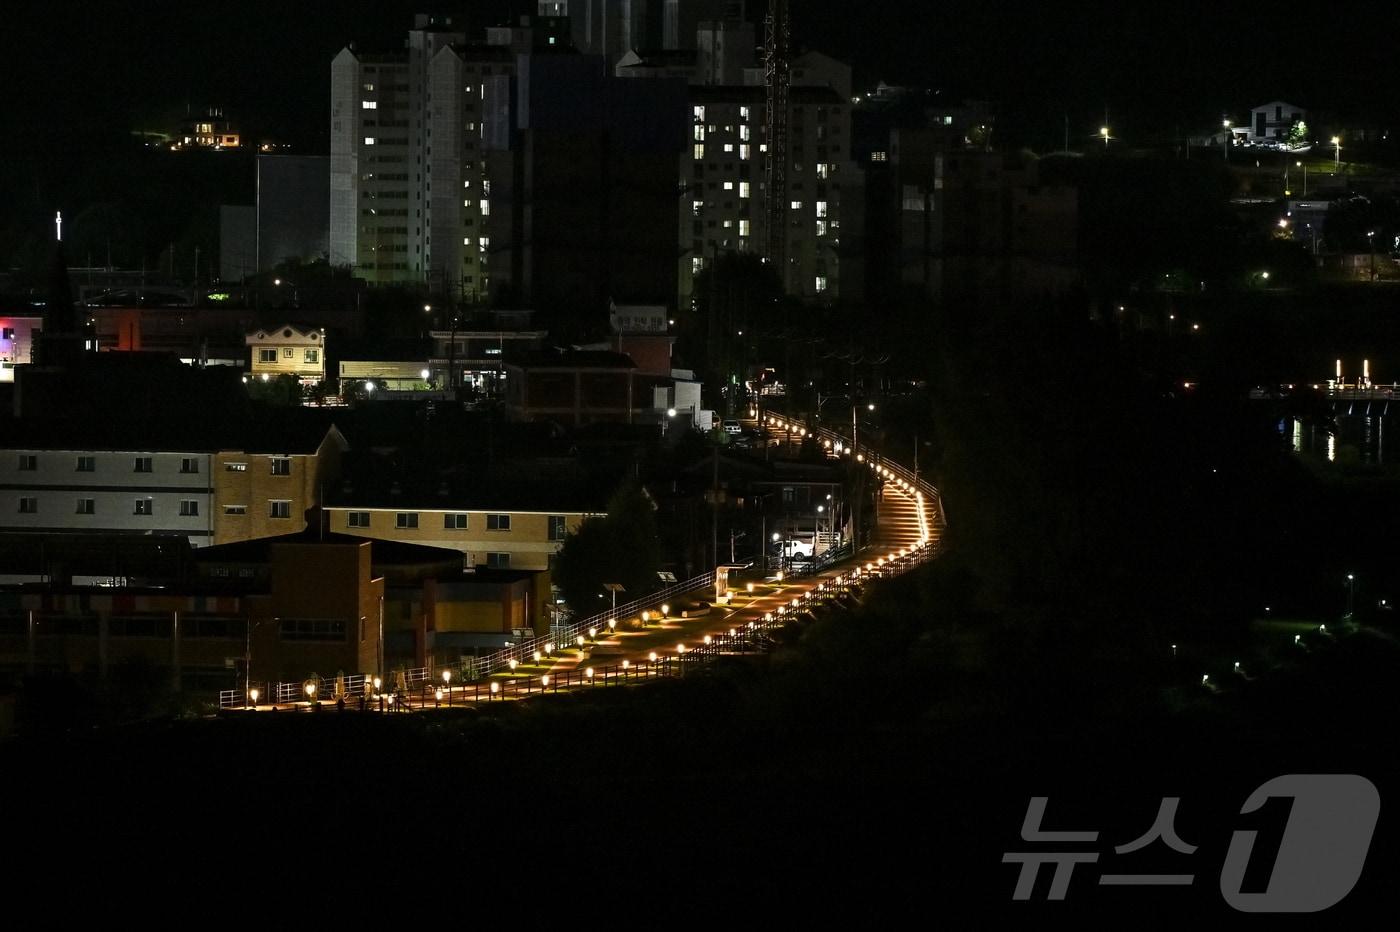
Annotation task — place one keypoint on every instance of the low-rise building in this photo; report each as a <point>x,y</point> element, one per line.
<point>16,343</point>
<point>288,350</point>
<point>219,481</point>
<point>498,525</point>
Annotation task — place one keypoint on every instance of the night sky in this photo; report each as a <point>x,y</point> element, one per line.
<point>106,65</point>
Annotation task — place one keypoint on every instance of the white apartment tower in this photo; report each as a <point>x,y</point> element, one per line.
<point>381,148</point>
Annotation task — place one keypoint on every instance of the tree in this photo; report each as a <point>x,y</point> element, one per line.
<point>621,547</point>
<point>1298,133</point>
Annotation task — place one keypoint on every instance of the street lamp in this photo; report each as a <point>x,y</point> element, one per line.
<point>1351,591</point>
<point>253,697</point>
<point>1103,131</point>
<point>1337,162</point>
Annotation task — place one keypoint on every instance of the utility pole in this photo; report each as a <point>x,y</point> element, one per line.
<point>714,508</point>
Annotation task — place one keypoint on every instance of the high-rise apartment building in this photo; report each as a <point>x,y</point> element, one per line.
<point>722,174</point>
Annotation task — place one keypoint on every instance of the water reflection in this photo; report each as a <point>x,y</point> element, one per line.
<point>1352,439</point>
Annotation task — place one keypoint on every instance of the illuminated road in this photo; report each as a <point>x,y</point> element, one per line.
<point>906,531</point>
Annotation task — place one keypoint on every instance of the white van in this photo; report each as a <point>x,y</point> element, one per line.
<point>732,427</point>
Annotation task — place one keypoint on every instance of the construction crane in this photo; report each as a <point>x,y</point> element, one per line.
<point>775,61</point>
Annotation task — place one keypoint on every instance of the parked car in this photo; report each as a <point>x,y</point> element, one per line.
<point>732,427</point>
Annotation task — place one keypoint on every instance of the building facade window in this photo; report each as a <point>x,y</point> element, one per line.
<point>28,462</point>
<point>498,561</point>
<point>279,509</point>
<point>236,467</point>
<point>144,506</point>
<point>189,508</point>
<point>406,519</point>
<point>312,356</point>
<point>358,519</point>
<point>267,355</point>
<point>87,506</point>
<point>498,522</point>
<point>557,528</point>
<point>28,505</point>
<point>87,464</point>
<point>235,509</point>
<point>189,465</point>
<point>281,466</point>
<point>454,522</point>
<point>143,464</point>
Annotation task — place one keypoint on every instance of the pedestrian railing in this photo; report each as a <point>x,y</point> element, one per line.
<point>750,637</point>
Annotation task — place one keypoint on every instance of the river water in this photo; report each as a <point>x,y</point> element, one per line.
<point>1350,438</point>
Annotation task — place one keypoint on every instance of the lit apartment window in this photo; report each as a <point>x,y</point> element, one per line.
<point>744,133</point>
<point>484,242</point>
<point>821,283</point>
<point>144,506</point>
<point>454,522</point>
<point>267,355</point>
<point>87,506</point>
<point>699,132</point>
<point>486,186</point>
<point>821,227</point>
<point>28,462</point>
<point>821,208</point>
<point>485,208</point>
<point>288,352</point>
<point>357,519</point>
<point>823,170</point>
<point>143,464</point>
<point>369,88</point>
<point>700,114</point>
<point>557,527</point>
<point>312,356</point>
<point>369,105</point>
<point>235,510</point>
<point>369,140</point>
<point>189,508</point>
<point>498,522</point>
<point>467,183</point>
<point>879,156</point>
<point>744,151</point>
<point>699,151</point>
<point>28,506</point>
<point>729,186</point>
<point>729,147</point>
<point>743,113</point>
<point>695,208</point>
<point>498,561</point>
<point>743,189</point>
<point>189,464</point>
<point>728,224</point>
<point>697,264</point>
<point>406,519</point>
<point>87,464</point>
<point>743,228</point>
<point>466,241</point>
<point>236,467</point>
<point>796,205</point>
<point>279,509</point>
<point>281,466</point>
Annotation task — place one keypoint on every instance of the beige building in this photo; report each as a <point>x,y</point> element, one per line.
<point>501,528</point>
<point>288,350</point>
<point>266,489</point>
